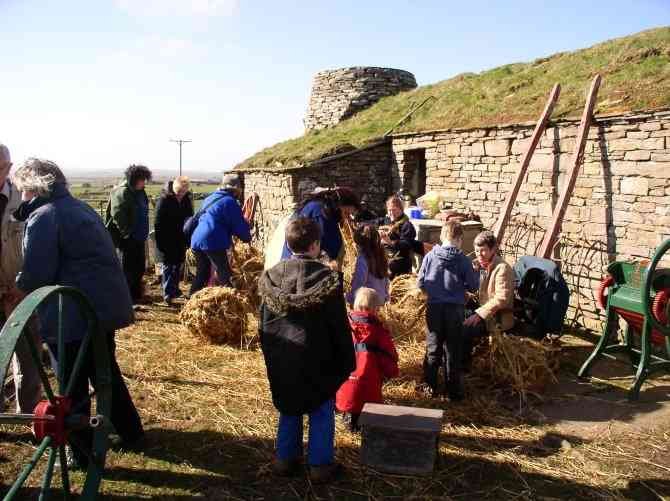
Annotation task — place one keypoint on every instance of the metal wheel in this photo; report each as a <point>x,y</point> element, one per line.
<point>57,421</point>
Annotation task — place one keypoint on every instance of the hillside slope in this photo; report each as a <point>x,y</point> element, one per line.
<point>635,71</point>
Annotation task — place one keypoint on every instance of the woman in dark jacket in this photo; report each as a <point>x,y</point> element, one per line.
<point>398,237</point>
<point>327,208</point>
<point>66,243</point>
<point>173,208</point>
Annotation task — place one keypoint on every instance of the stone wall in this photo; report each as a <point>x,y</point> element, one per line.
<point>338,94</point>
<point>365,171</point>
<point>275,190</point>
<point>620,208</point>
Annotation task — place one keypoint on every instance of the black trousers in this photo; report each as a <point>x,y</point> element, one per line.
<point>470,336</point>
<point>204,260</point>
<point>444,343</point>
<point>133,261</point>
<point>124,415</point>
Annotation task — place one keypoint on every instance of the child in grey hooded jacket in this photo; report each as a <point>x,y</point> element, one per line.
<point>445,275</point>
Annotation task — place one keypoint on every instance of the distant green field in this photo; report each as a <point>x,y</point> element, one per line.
<point>97,195</point>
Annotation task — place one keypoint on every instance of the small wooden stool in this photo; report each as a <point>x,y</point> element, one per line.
<point>398,439</point>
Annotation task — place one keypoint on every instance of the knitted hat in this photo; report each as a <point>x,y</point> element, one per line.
<point>231,182</point>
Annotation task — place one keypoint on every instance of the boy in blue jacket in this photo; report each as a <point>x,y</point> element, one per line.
<point>445,275</point>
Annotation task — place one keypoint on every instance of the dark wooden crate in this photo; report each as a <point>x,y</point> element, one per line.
<point>397,439</point>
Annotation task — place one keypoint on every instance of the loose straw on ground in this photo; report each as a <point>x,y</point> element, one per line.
<point>524,364</point>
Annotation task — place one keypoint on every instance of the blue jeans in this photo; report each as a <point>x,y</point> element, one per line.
<point>321,439</point>
<point>203,268</point>
<point>170,280</point>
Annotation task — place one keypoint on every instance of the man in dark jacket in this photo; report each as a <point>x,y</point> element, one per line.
<point>173,208</point>
<point>221,219</point>
<point>127,219</point>
<point>445,275</point>
<point>398,237</point>
<point>66,243</point>
<point>306,342</point>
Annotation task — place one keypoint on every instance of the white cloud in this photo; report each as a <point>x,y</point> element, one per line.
<point>196,8</point>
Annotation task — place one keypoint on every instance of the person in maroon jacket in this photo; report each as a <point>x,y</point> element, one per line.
<point>376,358</point>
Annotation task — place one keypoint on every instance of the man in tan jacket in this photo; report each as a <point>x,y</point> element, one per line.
<point>496,293</point>
<point>26,378</point>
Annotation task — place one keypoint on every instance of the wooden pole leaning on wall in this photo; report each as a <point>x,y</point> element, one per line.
<point>551,235</point>
<point>501,224</point>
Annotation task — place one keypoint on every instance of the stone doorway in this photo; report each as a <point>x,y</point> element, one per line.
<point>414,170</point>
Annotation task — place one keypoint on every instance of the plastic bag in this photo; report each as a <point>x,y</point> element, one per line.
<point>431,202</point>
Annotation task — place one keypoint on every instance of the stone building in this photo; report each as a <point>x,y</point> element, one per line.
<point>619,209</point>
<point>339,94</point>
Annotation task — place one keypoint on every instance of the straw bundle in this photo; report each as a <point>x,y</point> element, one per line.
<point>217,314</point>
<point>350,254</point>
<point>526,365</point>
<point>189,264</point>
<point>405,314</point>
<point>246,264</point>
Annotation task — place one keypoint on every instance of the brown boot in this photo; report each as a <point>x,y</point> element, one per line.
<point>326,473</point>
<point>287,467</point>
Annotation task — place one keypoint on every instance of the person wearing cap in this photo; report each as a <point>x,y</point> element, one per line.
<point>27,384</point>
<point>220,219</point>
<point>328,208</point>
<point>127,219</point>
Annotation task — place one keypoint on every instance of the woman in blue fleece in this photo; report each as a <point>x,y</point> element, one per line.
<point>445,275</point>
<point>327,208</point>
<point>221,219</point>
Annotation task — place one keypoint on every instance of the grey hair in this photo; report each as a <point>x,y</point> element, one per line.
<point>38,175</point>
<point>4,153</point>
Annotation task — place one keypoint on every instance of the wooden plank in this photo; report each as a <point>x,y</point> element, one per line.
<point>501,224</point>
<point>550,236</point>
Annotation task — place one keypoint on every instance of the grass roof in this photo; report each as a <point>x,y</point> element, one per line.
<point>636,77</point>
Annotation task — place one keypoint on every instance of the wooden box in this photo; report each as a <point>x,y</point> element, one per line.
<point>398,439</point>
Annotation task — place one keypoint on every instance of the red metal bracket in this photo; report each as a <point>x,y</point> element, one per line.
<point>53,427</point>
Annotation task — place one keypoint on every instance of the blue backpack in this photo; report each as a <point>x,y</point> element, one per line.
<point>192,222</point>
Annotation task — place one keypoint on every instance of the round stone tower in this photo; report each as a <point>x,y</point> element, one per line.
<point>338,94</point>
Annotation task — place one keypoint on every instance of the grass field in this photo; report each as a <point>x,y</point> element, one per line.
<point>97,195</point>
<point>210,434</point>
<point>635,71</point>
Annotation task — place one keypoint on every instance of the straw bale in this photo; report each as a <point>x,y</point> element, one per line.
<point>217,315</point>
<point>405,314</point>
<point>524,364</point>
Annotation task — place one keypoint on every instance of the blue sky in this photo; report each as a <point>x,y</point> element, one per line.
<point>98,84</point>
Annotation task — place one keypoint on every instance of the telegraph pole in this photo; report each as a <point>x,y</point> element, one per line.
<point>180,142</point>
